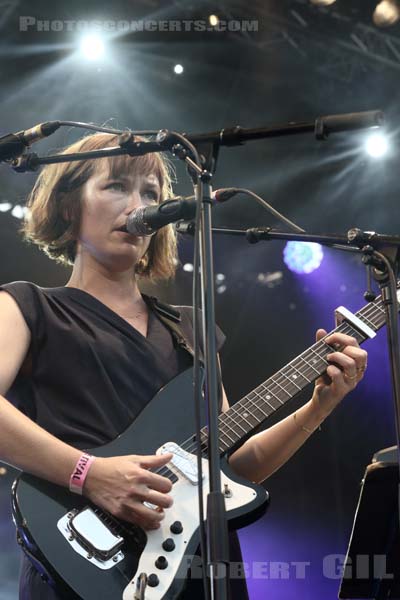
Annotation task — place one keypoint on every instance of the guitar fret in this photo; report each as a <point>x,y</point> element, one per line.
<point>242,416</point>
<point>364,318</point>
<point>376,312</point>
<point>281,386</point>
<point>246,415</point>
<point>229,418</point>
<point>297,374</point>
<point>309,365</point>
<point>227,439</point>
<point>290,380</point>
<point>270,395</point>
<point>320,359</point>
<point>355,333</point>
<point>254,398</point>
<point>227,435</point>
<point>257,407</point>
<point>223,447</point>
<point>241,419</point>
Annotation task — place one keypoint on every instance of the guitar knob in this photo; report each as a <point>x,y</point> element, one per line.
<point>161,562</point>
<point>168,545</point>
<point>152,580</point>
<point>176,527</point>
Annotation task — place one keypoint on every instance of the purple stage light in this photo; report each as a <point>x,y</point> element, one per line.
<point>302,257</point>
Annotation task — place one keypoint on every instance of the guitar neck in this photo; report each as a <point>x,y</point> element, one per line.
<point>239,422</point>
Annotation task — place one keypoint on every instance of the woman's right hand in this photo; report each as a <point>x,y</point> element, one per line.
<point>121,484</point>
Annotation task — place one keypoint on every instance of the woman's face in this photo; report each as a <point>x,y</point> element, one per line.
<point>106,204</point>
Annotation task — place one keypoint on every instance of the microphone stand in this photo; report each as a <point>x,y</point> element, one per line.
<point>385,261</point>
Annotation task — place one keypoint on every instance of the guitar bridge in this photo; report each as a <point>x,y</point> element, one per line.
<point>93,536</point>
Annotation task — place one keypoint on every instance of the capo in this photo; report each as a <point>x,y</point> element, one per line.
<point>342,314</point>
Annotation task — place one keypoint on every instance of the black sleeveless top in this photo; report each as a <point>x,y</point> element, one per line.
<point>89,373</point>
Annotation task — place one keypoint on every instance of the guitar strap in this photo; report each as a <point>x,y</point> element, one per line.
<point>171,317</point>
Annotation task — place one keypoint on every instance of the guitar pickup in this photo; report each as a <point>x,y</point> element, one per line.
<point>183,461</point>
<point>92,537</point>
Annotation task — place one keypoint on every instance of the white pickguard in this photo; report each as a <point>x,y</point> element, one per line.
<point>186,510</point>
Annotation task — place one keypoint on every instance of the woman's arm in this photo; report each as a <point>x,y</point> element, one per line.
<point>24,444</point>
<point>117,484</point>
<point>268,450</point>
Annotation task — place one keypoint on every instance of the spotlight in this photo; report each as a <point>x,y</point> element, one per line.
<point>92,47</point>
<point>178,69</point>
<point>213,20</point>
<point>19,211</point>
<point>5,206</point>
<point>386,13</point>
<point>188,267</point>
<point>376,145</point>
<point>322,2</point>
<point>302,257</point>
<point>270,279</point>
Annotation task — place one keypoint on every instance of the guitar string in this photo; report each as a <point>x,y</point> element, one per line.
<point>370,312</point>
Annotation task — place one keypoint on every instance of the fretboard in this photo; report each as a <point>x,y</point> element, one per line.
<point>237,423</point>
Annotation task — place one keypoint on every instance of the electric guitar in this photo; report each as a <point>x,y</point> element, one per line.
<point>91,555</point>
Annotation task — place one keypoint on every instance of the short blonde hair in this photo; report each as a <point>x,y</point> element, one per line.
<point>54,204</point>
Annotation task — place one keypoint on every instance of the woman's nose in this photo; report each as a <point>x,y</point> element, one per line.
<point>134,201</point>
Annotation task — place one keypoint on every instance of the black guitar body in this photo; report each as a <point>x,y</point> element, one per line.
<point>38,507</point>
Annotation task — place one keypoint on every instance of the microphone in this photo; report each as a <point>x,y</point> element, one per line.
<point>347,122</point>
<point>14,144</point>
<point>147,220</point>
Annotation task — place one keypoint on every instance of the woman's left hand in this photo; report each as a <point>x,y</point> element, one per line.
<point>342,375</point>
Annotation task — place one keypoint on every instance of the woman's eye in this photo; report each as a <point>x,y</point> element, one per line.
<point>116,185</point>
<point>151,195</point>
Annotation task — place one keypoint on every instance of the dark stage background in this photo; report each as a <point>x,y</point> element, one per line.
<point>302,62</point>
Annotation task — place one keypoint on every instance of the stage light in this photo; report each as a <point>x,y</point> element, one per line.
<point>270,279</point>
<point>386,13</point>
<point>178,69</point>
<point>19,211</point>
<point>213,20</point>
<point>302,257</point>
<point>92,47</point>
<point>188,267</point>
<point>376,145</point>
<point>322,2</point>
<point>5,206</point>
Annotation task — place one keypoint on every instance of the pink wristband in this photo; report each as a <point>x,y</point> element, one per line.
<point>80,472</point>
